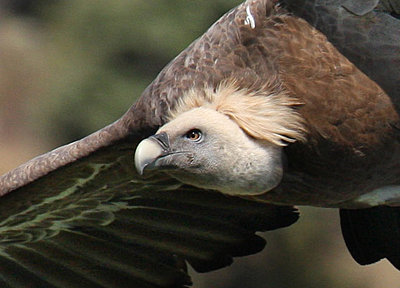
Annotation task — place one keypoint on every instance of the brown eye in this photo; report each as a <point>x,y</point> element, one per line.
<point>193,135</point>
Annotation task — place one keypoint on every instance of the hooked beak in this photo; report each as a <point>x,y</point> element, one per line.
<point>150,150</point>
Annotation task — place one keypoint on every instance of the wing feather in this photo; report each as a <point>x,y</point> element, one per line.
<point>94,222</point>
<point>366,32</point>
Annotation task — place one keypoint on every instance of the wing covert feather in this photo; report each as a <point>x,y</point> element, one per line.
<point>95,222</point>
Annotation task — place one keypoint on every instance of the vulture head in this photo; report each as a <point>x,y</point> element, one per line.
<point>228,139</point>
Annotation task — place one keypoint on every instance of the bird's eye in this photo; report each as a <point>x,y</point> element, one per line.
<point>194,135</point>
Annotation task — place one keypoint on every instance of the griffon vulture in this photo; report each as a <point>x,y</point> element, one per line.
<point>260,113</point>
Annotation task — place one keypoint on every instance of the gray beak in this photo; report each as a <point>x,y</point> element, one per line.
<point>150,150</point>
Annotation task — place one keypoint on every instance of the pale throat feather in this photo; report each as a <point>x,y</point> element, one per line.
<point>229,161</point>
<point>248,128</point>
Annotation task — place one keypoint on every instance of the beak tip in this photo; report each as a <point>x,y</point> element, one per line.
<point>146,152</point>
<point>139,168</point>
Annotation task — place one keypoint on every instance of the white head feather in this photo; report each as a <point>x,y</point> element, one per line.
<point>265,114</point>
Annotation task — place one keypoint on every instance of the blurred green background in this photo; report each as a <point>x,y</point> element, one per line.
<point>68,68</point>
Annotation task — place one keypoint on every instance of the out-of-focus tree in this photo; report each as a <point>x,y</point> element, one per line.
<point>100,55</point>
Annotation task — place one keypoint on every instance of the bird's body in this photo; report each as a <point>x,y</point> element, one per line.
<point>323,134</point>
<point>352,129</point>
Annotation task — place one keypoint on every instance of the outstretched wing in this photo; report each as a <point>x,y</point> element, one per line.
<point>80,216</point>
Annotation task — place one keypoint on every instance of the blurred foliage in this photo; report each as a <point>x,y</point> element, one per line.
<point>100,55</point>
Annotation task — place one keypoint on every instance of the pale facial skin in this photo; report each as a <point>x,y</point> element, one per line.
<point>207,149</point>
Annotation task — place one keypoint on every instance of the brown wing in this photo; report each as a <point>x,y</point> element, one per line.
<point>368,34</point>
<point>80,216</point>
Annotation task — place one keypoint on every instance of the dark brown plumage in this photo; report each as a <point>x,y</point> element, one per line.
<point>82,208</point>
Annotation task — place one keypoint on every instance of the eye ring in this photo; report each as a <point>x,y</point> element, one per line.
<point>194,135</point>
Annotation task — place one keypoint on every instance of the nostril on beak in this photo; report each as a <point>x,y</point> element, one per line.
<point>147,152</point>
<point>163,140</point>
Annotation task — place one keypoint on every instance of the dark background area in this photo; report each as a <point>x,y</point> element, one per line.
<point>68,68</point>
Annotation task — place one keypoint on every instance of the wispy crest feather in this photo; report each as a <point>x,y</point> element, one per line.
<point>262,114</point>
